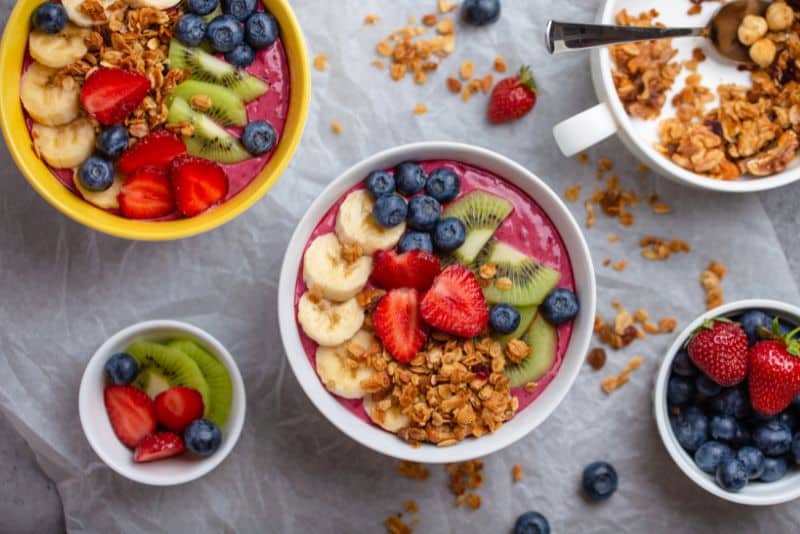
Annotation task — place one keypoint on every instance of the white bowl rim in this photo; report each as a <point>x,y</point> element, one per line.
<point>378,439</point>
<point>233,427</point>
<point>676,452</point>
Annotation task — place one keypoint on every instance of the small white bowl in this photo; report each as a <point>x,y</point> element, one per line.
<point>525,421</point>
<point>97,426</point>
<point>756,493</point>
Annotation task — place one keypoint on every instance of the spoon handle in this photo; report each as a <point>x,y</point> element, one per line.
<point>567,36</point>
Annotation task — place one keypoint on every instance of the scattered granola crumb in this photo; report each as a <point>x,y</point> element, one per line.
<point>612,383</point>
<point>572,193</point>
<point>200,102</point>
<point>412,470</point>
<point>642,168</point>
<point>430,19</point>
<point>655,248</point>
<point>369,20</point>
<point>445,27</point>
<point>454,85</point>
<point>336,127</point>
<point>445,6</point>
<point>321,62</point>
<point>596,358</point>
<point>516,472</point>
<point>464,476</point>
<point>500,64</point>
<point>711,280</point>
<point>667,324</point>
<point>378,64</point>
<point>503,283</point>
<point>662,208</point>
<point>487,271</point>
<point>420,109</point>
<point>583,158</point>
<point>466,70</point>
<point>621,265</point>
<point>411,506</point>
<point>605,165</point>
<point>487,82</point>
<point>614,238</point>
<point>473,501</point>
<point>606,262</point>
<point>395,525</point>
<point>591,217</point>
<point>695,9</point>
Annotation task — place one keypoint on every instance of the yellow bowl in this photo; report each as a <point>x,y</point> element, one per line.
<point>12,122</point>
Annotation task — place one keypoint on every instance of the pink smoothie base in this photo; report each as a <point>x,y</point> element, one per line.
<point>528,229</point>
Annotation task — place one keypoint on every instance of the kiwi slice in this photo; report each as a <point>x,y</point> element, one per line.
<point>531,281</point>
<point>542,338</point>
<point>151,381</point>
<point>526,315</point>
<point>210,140</point>
<point>173,366</point>
<point>214,14</point>
<point>208,68</point>
<point>226,108</point>
<point>482,213</point>
<point>220,389</point>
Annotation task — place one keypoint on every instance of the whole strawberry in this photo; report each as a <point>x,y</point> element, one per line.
<point>774,372</point>
<point>513,98</point>
<point>719,349</point>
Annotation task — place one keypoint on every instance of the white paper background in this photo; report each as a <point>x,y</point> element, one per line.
<point>64,289</point>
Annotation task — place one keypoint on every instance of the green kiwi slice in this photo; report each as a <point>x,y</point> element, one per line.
<point>151,381</point>
<point>531,281</point>
<point>542,338</point>
<point>482,213</point>
<point>226,108</point>
<point>210,140</point>
<point>526,315</point>
<point>208,68</point>
<point>220,389</point>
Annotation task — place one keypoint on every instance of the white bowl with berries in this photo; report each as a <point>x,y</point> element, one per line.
<point>162,402</point>
<point>727,402</point>
<point>436,302</point>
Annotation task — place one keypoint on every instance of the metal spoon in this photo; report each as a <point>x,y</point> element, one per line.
<point>721,31</point>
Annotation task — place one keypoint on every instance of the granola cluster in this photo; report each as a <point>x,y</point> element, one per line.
<point>627,327</point>
<point>711,280</point>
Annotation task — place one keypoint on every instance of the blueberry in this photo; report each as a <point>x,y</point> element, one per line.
<point>202,437</point>
<point>751,321</point>
<point>774,469</point>
<point>723,427</point>
<point>693,413</point>
<point>191,29</point>
<point>731,401</point>
<point>753,460</point>
<point>706,388</point>
<point>49,18</point>
<point>380,183</point>
<point>683,365</point>
<point>710,454</point>
<point>731,475</point>
<point>531,523</point>
<point>788,418</point>
<point>113,141</point>
<point>560,305</point>
<point>449,234</point>
<point>96,174</point>
<point>415,241</point>
<point>599,481</point>
<point>504,318</point>
<point>259,137</point>
<point>742,437</point>
<point>679,391</point>
<point>443,184</point>
<point>480,12</point>
<point>390,211</point>
<point>423,212</point>
<point>202,7</point>
<point>773,438</point>
<point>239,9</point>
<point>224,33</point>
<point>261,30</point>
<point>122,368</point>
<point>796,448</point>
<point>410,178</point>
<point>690,431</point>
<point>242,56</point>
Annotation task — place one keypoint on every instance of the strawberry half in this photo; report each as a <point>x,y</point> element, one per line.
<point>455,303</point>
<point>397,323</point>
<point>774,379</point>
<point>198,184</point>
<point>719,349</point>
<point>109,95</point>
<point>131,413</point>
<point>147,194</point>
<point>158,446</point>
<point>415,269</point>
<point>158,149</point>
<point>512,98</point>
<point>177,407</point>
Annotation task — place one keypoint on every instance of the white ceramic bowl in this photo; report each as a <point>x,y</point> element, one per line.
<point>97,426</point>
<point>609,116</point>
<point>756,493</point>
<point>375,438</point>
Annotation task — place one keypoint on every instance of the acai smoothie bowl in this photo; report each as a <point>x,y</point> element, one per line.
<point>436,302</point>
<point>153,119</point>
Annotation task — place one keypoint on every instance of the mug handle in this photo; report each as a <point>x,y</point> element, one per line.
<point>585,129</point>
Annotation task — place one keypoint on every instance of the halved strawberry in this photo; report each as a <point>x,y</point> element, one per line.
<point>109,95</point>
<point>397,323</point>
<point>415,269</point>
<point>455,303</point>
<point>147,194</point>
<point>158,149</point>
<point>177,407</point>
<point>131,413</point>
<point>198,184</point>
<point>158,446</point>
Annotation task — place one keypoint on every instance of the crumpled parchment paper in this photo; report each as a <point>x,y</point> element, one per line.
<point>64,289</point>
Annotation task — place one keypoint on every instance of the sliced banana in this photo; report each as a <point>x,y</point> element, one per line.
<point>66,146</point>
<point>48,104</point>
<point>392,419</point>
<point>355,224</point>
<point>324,268</point>
<point>336,375</point>
<point>328,323</point>
<point>60,49</point>
<point>158,4</point>
<point>77,16</point>
<point>107,199</point>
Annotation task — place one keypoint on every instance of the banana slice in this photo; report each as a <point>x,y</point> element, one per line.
<point>327,323</point>
<point>107,199</point>
<point>48,104</point>
<point>158,4</point>
<point>355,224</point>
<point>392,419</point>
<point>336,375</point>
<point>77,16</point>
<point>58,50</point>
<point>64,147</point>
<point>324,268</point>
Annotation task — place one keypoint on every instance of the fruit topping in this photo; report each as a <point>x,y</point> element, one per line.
<point>719,349</point>
<point>151,381</point>
<point>239,9</point>
<point>131,413</point>
<point>531,523</point>
<point>774,469</point>
<point>711,454</point>
<point>398,324</point>
<point>335,372</point>
<point>49,17</point>
<point>599,481</point>
<point>209,140</point>
<point>328,323</point>
<point>356,225</point>
<point>202,7</point>
<point>504,318</point>
<point>392,420</point>
<point>261,30</point>
<point>423,213</point>
<point>157,150</point>
<point>122,368</point>
<point>731,474</point>
<point>530,281</point>
<point>415,269</point>
<point>49,104</point>
<point>147,194</point>
<point>455,304</point>
<point>60,49</point>
<point>410,178</point>
<point>542,338</point>
<point>158,446</point>
<point>390,211</point>
<point>96,174</point>
<point>773,438</point>
<point>224,33</point>
<point>100,10</point>
<point>177,407</point>
<point>327,270</point>
<point>220,388</point>
<point>690,429</point>
<point>109,95</point>
<point>64,147</point>
<point>679,391</point>
<point>482,213</point>
<point>512,98</point>
<point>112,141</point>
<point>560,306</point>
<point>682,365</point>
<point>259,137</point>
<point>480,12</point>
<point>753,460</point>
<point>723,428</point>
<point>443,184</point>
<point>752,322</point>
<point>241,56</point>
<point>198,184</point>
<point>449,234</point>
<point>380,183</point>
<point>526,316</point>
<point>203,437</point>
<point>415,241</point>
<point>191,29</point>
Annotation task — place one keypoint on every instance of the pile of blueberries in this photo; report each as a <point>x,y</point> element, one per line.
<point>718,426</point>
<point>237,33</point>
